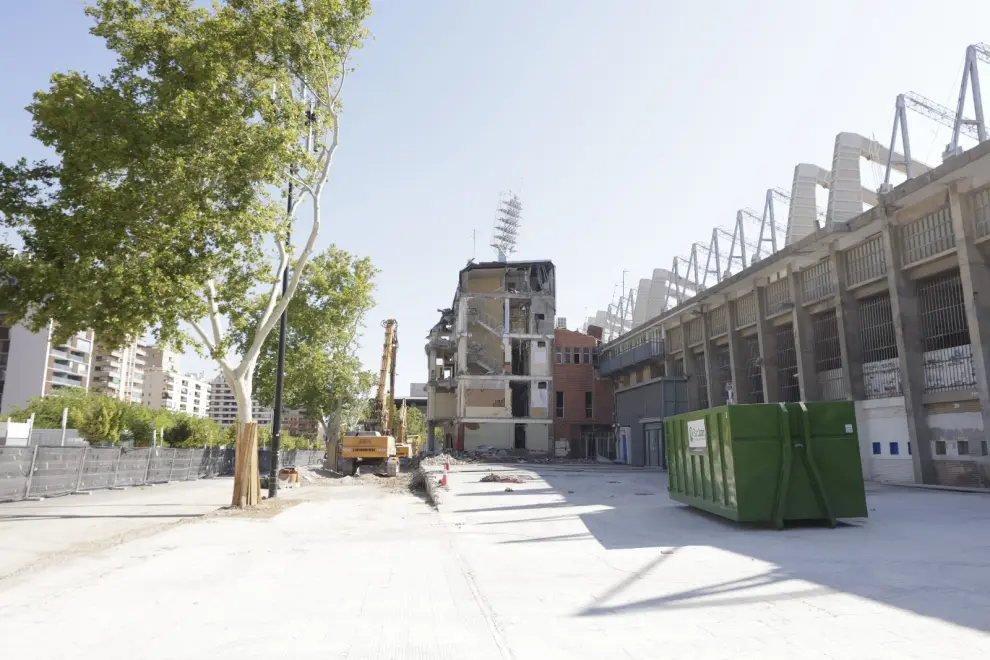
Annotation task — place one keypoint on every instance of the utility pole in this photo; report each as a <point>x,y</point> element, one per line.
<point>279,378</point>
<point>280,367</point>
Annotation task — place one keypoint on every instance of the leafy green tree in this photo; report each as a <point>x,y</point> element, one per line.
<point>189,431</point>
<point>97,417</point>
<point>415,422</point>
<point>159,214</point>
<point>323,375</point>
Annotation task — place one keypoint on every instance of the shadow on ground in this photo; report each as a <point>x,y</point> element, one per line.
<point>923,551</point>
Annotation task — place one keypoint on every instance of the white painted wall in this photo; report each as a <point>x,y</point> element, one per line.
<point>540,364</point>
<point>884,421</point>
<point>497,435</point>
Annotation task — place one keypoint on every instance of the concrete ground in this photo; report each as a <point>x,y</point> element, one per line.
<point>35,533</point>
<point>357,570</point>
<point>595,563</point>
<point>573,563</point>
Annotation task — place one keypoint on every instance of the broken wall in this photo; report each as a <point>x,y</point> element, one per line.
<point>497,435</point>
<point>486,399</point>
<point>539,362</point>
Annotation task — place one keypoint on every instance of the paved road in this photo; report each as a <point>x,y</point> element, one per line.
<point>33,533</point>
<point>358,572</point>
<point>594,563</point>
<point>601,564</point>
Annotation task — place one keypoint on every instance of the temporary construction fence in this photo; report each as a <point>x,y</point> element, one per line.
<point>30,472</point>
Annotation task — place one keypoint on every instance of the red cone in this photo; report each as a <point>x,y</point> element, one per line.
<point>443,480</point>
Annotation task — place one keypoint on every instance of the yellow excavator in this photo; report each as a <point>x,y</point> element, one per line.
<point>374,447</point>
<point>406,446</point>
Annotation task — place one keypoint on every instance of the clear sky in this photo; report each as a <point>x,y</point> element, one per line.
<point>635,126</point>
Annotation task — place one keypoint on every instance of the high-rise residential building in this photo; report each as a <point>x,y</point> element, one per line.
<point>178,392</point>
<point>119,372</point>
<point>162,358</point>
<point>223,405</point>
<point>33,365</point>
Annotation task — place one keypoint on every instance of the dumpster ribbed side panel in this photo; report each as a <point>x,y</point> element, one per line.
<point>768,462</point>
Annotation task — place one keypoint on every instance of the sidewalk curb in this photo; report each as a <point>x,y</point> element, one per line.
<point>435,493</point>
<point>949,489</point>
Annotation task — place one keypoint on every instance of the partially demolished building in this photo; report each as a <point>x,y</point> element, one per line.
<point>490,373</point>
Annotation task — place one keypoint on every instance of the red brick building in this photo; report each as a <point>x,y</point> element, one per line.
<point>582,401</point>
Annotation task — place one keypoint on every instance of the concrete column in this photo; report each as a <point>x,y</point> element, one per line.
<point>847,319</point>
<point>694,402</point>
<point>975,276</point>
<point>715,398</point>
<point>910,351</point>
<point>768,345</point>
<point>804,339</point>
<point>737,358</point>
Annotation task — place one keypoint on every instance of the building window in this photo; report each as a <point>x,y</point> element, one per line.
<point>876,448</point>
<point>589,411</point>
<point>594,356</point>
<point>567,356</point>
<point>895,449</point>
<point>560,356</point>
<point>940,447</point>
<point>560,404</point>
<point>587,356</point>
<point>962,447</point>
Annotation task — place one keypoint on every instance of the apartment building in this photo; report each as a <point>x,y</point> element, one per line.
<point>582,407</point>
<point>32,365</point>
<point>119,372</point>
<point>298,423</point>
<point>177,392</point>
<point>223,405</point>
<point>490,373</point>
<point>161,358</point>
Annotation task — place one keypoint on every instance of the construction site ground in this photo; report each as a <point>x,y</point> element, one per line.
<point>562,561</point>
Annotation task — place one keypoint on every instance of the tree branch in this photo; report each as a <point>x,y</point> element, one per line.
<point>211,298</point>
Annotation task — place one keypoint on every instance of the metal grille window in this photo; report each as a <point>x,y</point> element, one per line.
<point>981,212</point>
<point>694,331</point>
<point>945,333</point>
<point>701,377</point>
<point>746,311</point>
<point>866,261</point>
<point>717,321</point>
<point>881,367</point>
<point>927,237</point>
<point>828,355</point>
<point>676,337</point>
<point>816,281</point>
<point>723,374</point>
<point>788,388</point>
<point>677,368</point>
<point>778,297</point>
<point>754,369</point>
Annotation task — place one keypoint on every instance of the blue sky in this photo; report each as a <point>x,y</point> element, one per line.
<point>635,126</point>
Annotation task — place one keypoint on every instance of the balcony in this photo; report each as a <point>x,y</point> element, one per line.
<point>631,358</point>
<point>65,382</point>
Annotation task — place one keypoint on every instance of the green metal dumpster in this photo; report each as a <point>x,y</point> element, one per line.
<point>768,462</point>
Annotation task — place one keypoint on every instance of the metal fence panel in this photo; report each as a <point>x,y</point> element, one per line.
<point>945,333</point>
<point>746,310</point>
<point>15,465</point>
<point>98,468</point>
<point>56,471</point>
<point>133,466</point>
<point>754,370</point>
<point>881,366</point>
<point>816,281</point>
<point>161,465</point>
<point>981,211</point>
<point>828,356</point>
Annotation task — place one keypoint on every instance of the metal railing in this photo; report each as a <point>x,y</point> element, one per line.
<point>637,355</point>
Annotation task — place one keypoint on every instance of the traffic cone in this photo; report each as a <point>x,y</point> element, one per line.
<point>443,479</point>
<point>446,466</point>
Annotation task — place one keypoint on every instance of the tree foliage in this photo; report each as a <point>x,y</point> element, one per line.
<point>322,372</point>
<point>415,422</point>
<point>100,418</point>
<point>158,213</point>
